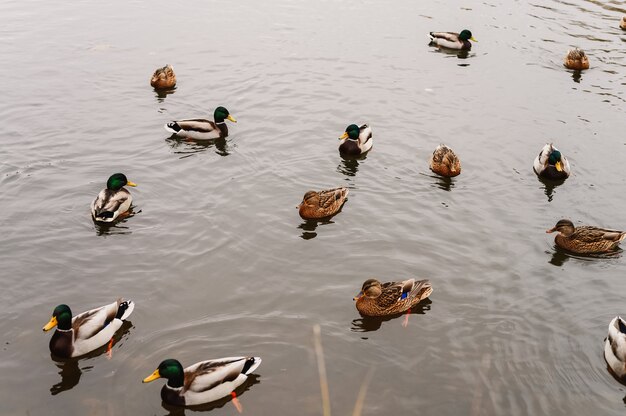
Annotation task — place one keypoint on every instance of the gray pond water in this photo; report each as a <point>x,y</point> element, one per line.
<point>217,259</point>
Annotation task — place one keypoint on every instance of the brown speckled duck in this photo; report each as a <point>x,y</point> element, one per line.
<point>163,78</point>
<point>622,23</point>
<point>585,239</point>
<point>576,59</point>
<point>376,299</point>
<point>316,205</point>
<point>444,162</point>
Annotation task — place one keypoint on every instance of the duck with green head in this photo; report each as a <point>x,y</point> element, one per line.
<point>551,164</point>
<point>356,140</point>
<point>113,201</point>
<point>452,40</point>
<point>203,382</point>
<point>202,129</point>
<point>381,299</point>
<point>88,331</point>
<point>586,239</point>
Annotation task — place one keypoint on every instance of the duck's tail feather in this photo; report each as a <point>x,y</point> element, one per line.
<point>125,309</point>
<point>172,127</point>
<point>251,364</point>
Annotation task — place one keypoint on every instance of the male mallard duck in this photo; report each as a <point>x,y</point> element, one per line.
<point>201,129</point>
<point>452,40</point>
<point>615,347</point>
<point>551,164</point>
<point>622,23</point>
<point>585,239</point>
<point>202,382</point>
<point>322,204</point>
<point>163,78</point>
<point>356,140</point>
<point>576,59</point>
<point>113,201</point>
<point>88,331</point>
<point>444,162</point>
<point>376,299</point>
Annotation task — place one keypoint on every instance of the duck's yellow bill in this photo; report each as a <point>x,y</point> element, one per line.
<point>129,183</point>
<point>559,166</point>
<point>152,377</point>
<point>51,324</point>
<point>344,136</point>
<point>473,39</point>
<point>231,118</point>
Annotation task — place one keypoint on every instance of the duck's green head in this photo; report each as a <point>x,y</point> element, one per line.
<point>170,369</point>
<point>220,114</point>
<point>117,181</point>
<point>555,159</point>
<point>61,317</point>
<point>352,132</point>
<point>466,35</point>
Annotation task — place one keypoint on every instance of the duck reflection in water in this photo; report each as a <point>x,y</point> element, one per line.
<point>161,94</point>
<point>308,227</point>
<point>560,256</point>
<point>180,411</point>
<point>187,147</point>
<point>70,376</point>
<point>117,227</point>
<point>373,323</point>
<point>349,165</point>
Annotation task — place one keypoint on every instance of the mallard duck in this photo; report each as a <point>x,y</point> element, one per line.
<point>615,347</point>
<point>202,382</point>
<point>356,140</point>
<point>322,204</point>
<point>88,331</point>
<point>452,40</point>
<point>201,129</point>
<point>576,59</point>
<point>551,164</point>
<point>163,78</point>
<point>113,201</point>
<point>585,239</point>
<point>376,299</point>
<point>444,162</point>
<point>622,23</point>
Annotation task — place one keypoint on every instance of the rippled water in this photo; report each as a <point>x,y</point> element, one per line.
<point>217,259</point>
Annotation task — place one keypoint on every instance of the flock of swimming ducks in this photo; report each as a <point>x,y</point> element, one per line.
<point>211,380</point>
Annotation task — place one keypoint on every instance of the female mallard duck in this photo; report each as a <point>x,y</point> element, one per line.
<point>615,348</point>
<point>376,299</point>
<point>322,204</point>
<point>444,162</point>
<point>452,40</point>
<point>356,140</point>
<point>576,59</point>
<point>201,129</point>
<point>551,164</point>
<point>585,239</point>
<point>88,331</point>
<point>622,24</point>
<point>113,201</point>
<point>163,78</point>
<point>202,382</point>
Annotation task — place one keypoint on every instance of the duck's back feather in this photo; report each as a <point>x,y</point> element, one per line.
<point>109,204</point>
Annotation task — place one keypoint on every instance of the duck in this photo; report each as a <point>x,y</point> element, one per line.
<point>356,140</point>
<point>452,40</point>
<point>163,78</point>
<point>576,59</point>
<point>201,129</point>
<point>622,23</point>
<point>202,382</point>
<point>615,348</point>
<point>381,299</point>
<point>316,205</point>
<point>551,164</point>
<point>445,162</point>
<point>114,201</point>
<point>88,331</point>
<point>585,239</point>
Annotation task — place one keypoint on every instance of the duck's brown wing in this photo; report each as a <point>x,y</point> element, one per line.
<point>332,198</point>
<point>208,374</point>
<point>451,36</point>
<point>593,234</point>
<point>197,124</point>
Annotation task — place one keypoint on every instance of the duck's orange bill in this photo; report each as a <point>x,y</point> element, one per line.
<point>344,136</point>
<point>51,324</point>
<point>152,377</point>
<point>357,297</point>
<point>231,118</point>
<point>129,183</point>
